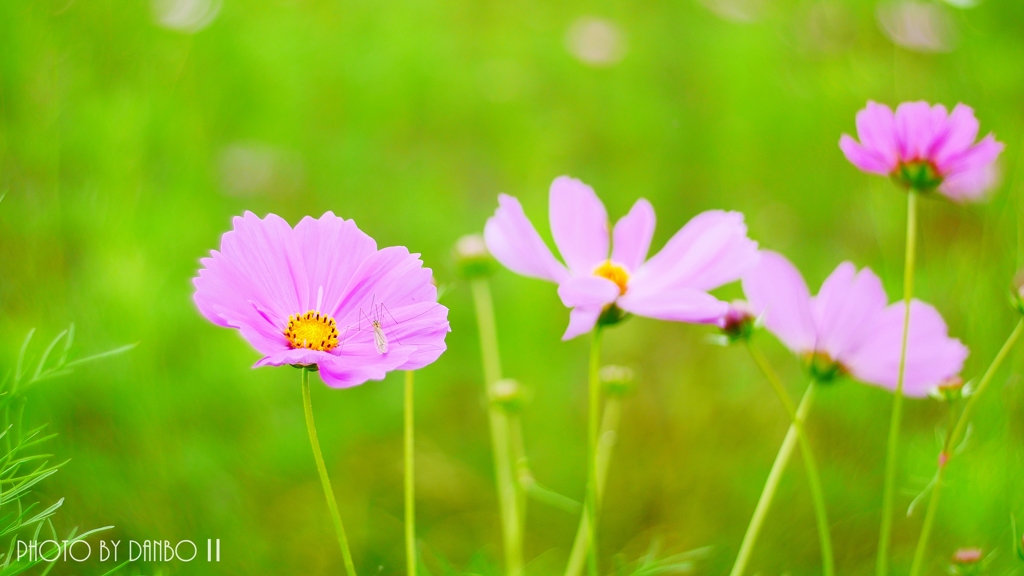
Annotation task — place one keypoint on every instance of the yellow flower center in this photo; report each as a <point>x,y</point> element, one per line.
<point>312,330</point>
<point>615,273</point>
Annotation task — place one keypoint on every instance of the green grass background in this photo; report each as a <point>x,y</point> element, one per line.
<point>410,116</point>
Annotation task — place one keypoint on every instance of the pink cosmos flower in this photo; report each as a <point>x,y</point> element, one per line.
<point>711,250</point>
<point>926,148</point>
<point>323,294</point>
<point>849,327</point>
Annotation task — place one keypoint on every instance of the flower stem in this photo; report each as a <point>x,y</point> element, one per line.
<point>951,441</point>
<point>508,497</point>
<point>332,504</point>
<point>772,483</point>
<point>605,445</point>
<point>889,488</point>
<point>593,424</point>
<point>410,484</point>
<point>813,478</point>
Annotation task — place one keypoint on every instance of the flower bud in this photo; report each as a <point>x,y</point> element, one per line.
<point>967,556</point>
<point>617,380</point>
<point>472,258</point>
<point>950,389</point>
<point>507,393</point>
<point>738,322</point>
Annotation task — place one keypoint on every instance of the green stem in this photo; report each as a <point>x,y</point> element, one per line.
<point>772,484</point>
<point>528,485</point>
<point>332,504</point>
<point>889,489</point>
<point>410,484</point>
<point>813,478</point>
<point>508,497</point>
<point>951,441</point>
<point>605,446</point>
<point>593,425</point>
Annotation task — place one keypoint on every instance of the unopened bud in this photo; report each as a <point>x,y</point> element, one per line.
<point>472,258</point>
<point>967,556</point>
<point>738,321</point>
<point>950,389</point>
<point>507,393</point>
<point>617,380</point>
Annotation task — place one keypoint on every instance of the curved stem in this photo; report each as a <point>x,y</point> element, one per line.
<point>410,484</point>
<point>772,484</point>
<point>508,497</point>
<point>813,478</point>
<point>951,441</point>
<point>889,489</point>
<point>332,504</point>
<point>605,446</point>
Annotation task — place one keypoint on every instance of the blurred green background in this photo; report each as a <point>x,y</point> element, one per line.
<point>131,132</point>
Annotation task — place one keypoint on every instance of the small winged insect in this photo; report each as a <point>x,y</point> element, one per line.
<point>379,313</point>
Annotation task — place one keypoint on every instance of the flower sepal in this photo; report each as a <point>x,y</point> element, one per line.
<point>823,368</point>
<point>919,176</point>
<point>610,316</point>
<point>310,367</point>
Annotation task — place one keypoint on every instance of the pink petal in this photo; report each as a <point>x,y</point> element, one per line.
<point>329,267</point>
<point>970,185</point>
<point>776,291</point>
<point>863,158</point>
<point>588,292</point>
<point>514,242</point>
<point>959,134</point>
<point>254,282</point>
<point>932,356</point>
<point>917,126</point>
<point>680,305</point>
<point>352,370</point>
<point>632,235</point>
<point>579,224</point>
<point>845,309</point>
<point>877,132</point>
<point>711,250</point>
<point>974,158</point>
<point>581,321</point>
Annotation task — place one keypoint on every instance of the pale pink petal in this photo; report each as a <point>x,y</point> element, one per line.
<point>581,321</point>
<point>845,309</point>
<point>932,356</point>
<point>632,235</point>
<point>877,132</point>
<point>579,224</point>
<point>970,185</point>
<point>680,305</point>
<point>863,158</point>
<point>711,250</point>
<point>588,292</point>
<point>514,242</point>
<point>353,370</point>
<point>959,134</point>
<point>293,357</point>
<point>974,158</point>
<point>777,292</point>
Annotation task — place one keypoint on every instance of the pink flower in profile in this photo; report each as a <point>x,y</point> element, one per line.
<point>849,327</point>
<point>925,148</point>
<point>607,275</point>
<point>323,294</point>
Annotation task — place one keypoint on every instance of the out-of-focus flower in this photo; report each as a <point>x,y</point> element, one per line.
<point>596,41</point>
<point>737,11</point>
<point>617,380</point>
<point>967,556</point>
<point>925,148</point>
<point>322,294</point>
<point>918,26</point>
<point>849,328</point>
<point>711,250</point>
<point>508,393</point>
<point>189,16</point>
<point>252,168</point>
<point>472,258</point>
